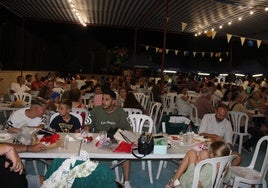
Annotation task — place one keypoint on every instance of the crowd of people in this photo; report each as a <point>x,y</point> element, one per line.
<point>108,97</point>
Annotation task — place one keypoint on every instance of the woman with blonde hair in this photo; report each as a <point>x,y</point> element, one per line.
<point>185,172</point>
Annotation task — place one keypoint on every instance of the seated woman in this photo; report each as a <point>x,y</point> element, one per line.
<point>185,173</point>
<point>132,102</point>
<point>76,97</point>
<point>122,94</point>
<point>255,101</point>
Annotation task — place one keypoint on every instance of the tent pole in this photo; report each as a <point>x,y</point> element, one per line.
<point>22,49</point>
<point>134,51</point>
<point>231,54</point>
<point>164,47</point>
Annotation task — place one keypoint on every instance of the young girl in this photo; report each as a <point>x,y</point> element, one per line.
<point>185,173</point>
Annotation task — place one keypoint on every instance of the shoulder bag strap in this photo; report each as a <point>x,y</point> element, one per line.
<point>135,155</point>
<point>233,106</point>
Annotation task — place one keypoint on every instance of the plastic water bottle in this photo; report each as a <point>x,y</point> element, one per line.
<point>189,135</point>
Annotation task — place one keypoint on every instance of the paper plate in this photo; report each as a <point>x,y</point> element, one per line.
<point>174,138</point>
<point>5,136</point>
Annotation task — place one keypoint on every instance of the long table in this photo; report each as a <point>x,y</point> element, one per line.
<point>56,152</point>
<point>176,151</point>
<point>5,107</point>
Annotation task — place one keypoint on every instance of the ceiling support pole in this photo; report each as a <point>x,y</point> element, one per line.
<point>134,51</point>
<point>21,49</point>
<point>231,54</point>
<point>164,47</point>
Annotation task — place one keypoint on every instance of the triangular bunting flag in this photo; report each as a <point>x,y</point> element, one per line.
<point>176,52</point>
<point>203,54</point>
<point>185,53</point>
<point>167,18</point>
<point>227,54</point>
<point>242,40</point>
<point>229,37</point>
<point>147,48</point>
<point>258,43</point>
<point>167,51</point>
<point>213,34</point>
<point>219,54</point>
<point>211,54</point>
<point>194,53</point>
<point>156,50</point>
<point>183,25</point>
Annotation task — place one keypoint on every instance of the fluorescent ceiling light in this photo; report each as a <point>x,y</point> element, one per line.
<point>203,74</point>
<point>223,74</point>
<point>257,75</point>
<point>170,71</point>
<point>239,74</point>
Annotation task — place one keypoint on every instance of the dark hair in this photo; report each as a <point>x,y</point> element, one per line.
<point>221,105</point>
<point>38,101</point>
<point>28,76</point>
<point>132,102</point>
<point>44,92</point>
<point>111,93</point>
<point>225,95</point>
<point>74,94</point>
<point>66,102</point>
<point>235,94</point>
<point>219,87</point>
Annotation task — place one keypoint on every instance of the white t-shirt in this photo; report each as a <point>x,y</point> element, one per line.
<point>18,118</point>
<point>211,126</point>
<point>19,89</point>
<point>183,106</point>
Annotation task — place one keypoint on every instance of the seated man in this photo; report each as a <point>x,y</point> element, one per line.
<point>65,122</point>
<point>32,117</point>
<point>183,105</point>
<point>203,103</point>
<point>109,115</point>
<point>19,86</point>
<point>216,127</point>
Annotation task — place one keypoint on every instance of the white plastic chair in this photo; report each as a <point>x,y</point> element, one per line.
<point>146,102</point>
<point>166,106</point>
<point>194,115</point>
<point>86,97</point>
<point>242,176</point>
<point>140,97</point>
<point>151,96</point>
<point>193,96</point>
<point>173,98</point>
<point>25,97</point>
<point>138,122</point>
<point>154,112</point>
<point>83,113</point>
<point>235,118</point>
<point>132,111</point>
<point>219,167</point>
